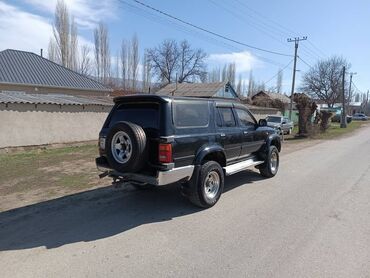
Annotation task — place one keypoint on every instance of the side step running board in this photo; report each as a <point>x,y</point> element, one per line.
<point>240,166</point>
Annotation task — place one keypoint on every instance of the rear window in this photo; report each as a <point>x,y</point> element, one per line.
<point>190,113</point>
<point>145,115</point>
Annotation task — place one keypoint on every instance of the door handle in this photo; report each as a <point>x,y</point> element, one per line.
<point>222,134</point>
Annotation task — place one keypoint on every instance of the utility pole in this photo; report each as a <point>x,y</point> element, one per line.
<point>296,42</point>
<point>343,122</point>
<point>350,86</point>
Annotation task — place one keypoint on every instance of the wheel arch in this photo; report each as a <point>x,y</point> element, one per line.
<point>274,140</point>
<point>211,153</point>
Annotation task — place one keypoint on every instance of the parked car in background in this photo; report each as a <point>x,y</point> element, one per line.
<point>336,118</point>
<point>283,124</point>
<point>360,117</point>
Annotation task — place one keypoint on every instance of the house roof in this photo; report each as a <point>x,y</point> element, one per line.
<point>7,97</point>
<point>26,68</point>
<point>192,89</point>
<point>281,97</point>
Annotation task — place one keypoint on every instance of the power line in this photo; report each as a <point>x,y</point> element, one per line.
<point>281,70</point>
<point>208,31</point>
<point>307,64</point>
<point>318,49</point>
<point>313,52</point>
<point>242,18</point>
<point>195,33</point>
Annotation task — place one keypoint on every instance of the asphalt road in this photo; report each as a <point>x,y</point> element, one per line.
<point>311,220</point>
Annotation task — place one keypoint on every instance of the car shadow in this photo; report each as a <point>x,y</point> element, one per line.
<point>96,214</point>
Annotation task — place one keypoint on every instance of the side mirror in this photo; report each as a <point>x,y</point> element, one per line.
<point>262,122</point>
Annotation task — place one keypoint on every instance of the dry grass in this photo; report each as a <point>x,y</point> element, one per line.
<point>42,174</point>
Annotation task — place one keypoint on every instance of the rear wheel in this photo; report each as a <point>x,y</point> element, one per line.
<point>208,188</point>
<point>271,165</point>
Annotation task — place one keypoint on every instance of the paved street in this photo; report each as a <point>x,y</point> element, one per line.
<point>311,220</point>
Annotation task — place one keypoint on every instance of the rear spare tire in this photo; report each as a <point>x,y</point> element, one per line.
<point>126,147</point>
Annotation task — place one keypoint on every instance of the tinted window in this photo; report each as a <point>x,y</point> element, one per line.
<point>245,118</point>
<point>190,113</point>
<point>227,117</point>
<point>144,114</point>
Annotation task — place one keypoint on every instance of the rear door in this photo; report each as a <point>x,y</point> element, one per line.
<point>229,134</point>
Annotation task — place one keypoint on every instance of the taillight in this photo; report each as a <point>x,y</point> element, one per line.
<point>165,153</point>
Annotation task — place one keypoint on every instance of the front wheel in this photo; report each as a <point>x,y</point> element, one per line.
<point>271,165</point>
<point>208,188</point>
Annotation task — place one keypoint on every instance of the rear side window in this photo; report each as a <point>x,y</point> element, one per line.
<point>190,113</point>
<point>145,115</point>
<point>227,117</point>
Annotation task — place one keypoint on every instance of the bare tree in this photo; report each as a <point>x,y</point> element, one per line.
<point>239,87</point>
<point>214,75</point>
<point>102,53</point>
<point>134,60</point>
<point>61,32</point>
<point>324,80</point>
<point>52,51</point>
<point>85,61</point>
<point>224,73</point>
<point>169,59</point>
<point>279,81</point>
<point>124,63</point>
<point>63,46</point>
<point>231,70</point>
<point>146,73</point>
<point>250,84</point>
<point>73,46</point>
<point>191,62</point>
<point>164,60</point>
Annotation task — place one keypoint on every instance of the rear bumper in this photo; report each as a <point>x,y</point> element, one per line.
<point>160,178</point>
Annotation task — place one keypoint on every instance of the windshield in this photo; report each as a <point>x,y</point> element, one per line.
<point>273,119</point>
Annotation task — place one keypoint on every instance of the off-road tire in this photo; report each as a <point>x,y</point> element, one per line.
<point>196,191</point>
<point>139,150</point>
<point>266,169</point>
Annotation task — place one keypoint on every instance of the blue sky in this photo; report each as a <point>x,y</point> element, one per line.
<point>332,27</point>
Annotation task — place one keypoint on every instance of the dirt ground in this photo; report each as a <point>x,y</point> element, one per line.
<point>33,176</point>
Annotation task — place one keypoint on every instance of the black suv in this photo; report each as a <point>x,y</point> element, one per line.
<point>150,140</point>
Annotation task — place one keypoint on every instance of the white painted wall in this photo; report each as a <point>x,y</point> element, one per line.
<point>32,125</point>
<point>29,124</point>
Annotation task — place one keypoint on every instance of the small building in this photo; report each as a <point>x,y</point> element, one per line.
<point>273,96</point>
<point>207,90</point>
<point>42,119</point>
<point>32,73</point>
<point>356,107</point>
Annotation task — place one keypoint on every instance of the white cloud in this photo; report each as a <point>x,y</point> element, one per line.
<point>26,31</point>
<point>87,13</point>
<point>244,61</point>
<point>19,29</point>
